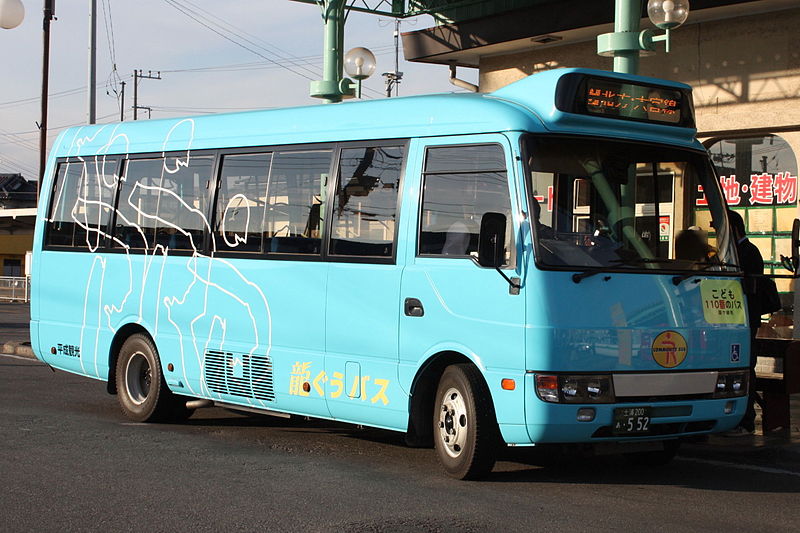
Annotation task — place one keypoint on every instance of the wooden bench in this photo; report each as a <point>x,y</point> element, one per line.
<point>776,384</point>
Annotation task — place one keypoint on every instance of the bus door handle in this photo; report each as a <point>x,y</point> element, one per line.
<point>413,307</point>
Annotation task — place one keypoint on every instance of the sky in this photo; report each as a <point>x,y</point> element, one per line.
<point>267,54</point>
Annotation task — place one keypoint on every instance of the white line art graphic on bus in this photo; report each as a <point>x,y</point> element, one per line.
<point>204,276</point>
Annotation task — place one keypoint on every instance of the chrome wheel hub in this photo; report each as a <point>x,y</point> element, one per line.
<point>453,422</point>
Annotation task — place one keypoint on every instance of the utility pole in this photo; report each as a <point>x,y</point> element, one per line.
<point>135,92</point>
<point>393,78</point>
<point>138,75</point>
<point>49,15</point>
<point>92,82</point>
<point>122,103</point>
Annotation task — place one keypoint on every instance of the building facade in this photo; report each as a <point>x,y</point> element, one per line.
<point>17,218</point>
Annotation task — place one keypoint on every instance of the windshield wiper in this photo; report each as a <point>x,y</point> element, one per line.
<point>633,261</point>
<point>676,280</point>
<point>639,261</point>
<point>614,263</point>
<point>577,277</point>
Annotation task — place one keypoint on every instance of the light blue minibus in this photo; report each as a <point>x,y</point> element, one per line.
<point>475,270</point>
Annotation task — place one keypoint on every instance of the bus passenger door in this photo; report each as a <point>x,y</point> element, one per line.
<point>361,316</point>
<point>453,304</point>
<point>266,296</point>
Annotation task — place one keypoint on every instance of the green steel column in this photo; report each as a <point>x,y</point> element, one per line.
<point>627,14</point>
<point>624,44</point>
<point>332,87</point>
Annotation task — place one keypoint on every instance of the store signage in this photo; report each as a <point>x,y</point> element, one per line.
<point>663,228</point>
<point>760,190</point>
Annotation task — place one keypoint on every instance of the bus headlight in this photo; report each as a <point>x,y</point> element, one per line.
<point>575,388</point>
<point>731,384</point>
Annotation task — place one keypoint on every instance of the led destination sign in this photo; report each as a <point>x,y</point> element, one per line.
<point>628,101</point>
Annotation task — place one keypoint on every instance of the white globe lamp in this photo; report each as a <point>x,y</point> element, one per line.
<point>11,13</point>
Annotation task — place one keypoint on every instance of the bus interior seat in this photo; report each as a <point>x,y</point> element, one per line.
<point>457,239</point>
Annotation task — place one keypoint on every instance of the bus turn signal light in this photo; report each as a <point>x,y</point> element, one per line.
<point>547,387</point>
<point>508,384</point>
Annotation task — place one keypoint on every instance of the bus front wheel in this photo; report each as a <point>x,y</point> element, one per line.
<point>143,393</point>
<point>464,427</point>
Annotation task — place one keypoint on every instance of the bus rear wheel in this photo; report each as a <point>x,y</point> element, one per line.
<point>464,427</point>
<point>143,394</point>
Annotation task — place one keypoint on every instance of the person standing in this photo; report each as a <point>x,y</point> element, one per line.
<point>752,265</point>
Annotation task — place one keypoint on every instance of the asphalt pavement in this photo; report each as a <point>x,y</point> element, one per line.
<point>70,461</point>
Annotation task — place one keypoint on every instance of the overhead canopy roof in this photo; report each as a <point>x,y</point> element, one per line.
<point>547,23</point>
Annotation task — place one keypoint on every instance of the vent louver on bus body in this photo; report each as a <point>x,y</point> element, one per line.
<point>245,375</point>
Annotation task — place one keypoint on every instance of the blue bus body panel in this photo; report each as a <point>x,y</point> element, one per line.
<point>524,91</point>
<point>332,336</point>
<point>601,325</point>
<point>417,116</point>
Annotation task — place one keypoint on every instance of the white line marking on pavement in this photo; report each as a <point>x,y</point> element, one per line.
<point>32,360</point>
<point>764,469</point>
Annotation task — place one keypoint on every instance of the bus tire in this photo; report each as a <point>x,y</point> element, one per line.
<point>143,394</point>
<point>464,426</point>
<point>655,458</point>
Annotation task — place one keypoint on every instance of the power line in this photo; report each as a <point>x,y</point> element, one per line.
<point>210,20</point>
<point>186,12</point>
<point>267,47</point>
<point>260,65</point>
<point>19,141</point>
<point>206,110</point>
<point>37,99</point>
<point>5,159</point>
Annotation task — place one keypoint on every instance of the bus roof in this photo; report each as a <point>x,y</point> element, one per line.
<point>519,106</point>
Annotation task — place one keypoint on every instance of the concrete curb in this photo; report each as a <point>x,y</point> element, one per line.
<point>19,349</point>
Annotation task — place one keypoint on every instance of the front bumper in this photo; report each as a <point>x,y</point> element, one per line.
<point>557,422</point>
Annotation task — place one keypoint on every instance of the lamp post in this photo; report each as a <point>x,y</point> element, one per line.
<point>359,63</point>
<point>11,14</point>
<point>625,43</point>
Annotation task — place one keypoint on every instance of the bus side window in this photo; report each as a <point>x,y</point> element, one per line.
<point>61,223</point>
<point>365,201</point>
<point>182,213</point>
<point>241,202</point>
<point>81,207</point>
<point>462,183</point>
<point>296,202</point>
<point>162,202</point>
<point>137,203</point>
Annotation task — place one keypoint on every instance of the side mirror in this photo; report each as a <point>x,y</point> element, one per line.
<point>491,241</point>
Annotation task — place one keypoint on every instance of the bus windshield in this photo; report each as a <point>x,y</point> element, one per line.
<point>624,205</point>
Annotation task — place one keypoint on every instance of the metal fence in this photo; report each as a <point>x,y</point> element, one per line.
<point>14,289</point>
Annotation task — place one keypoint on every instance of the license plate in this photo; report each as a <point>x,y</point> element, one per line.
<point>631,421</point>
